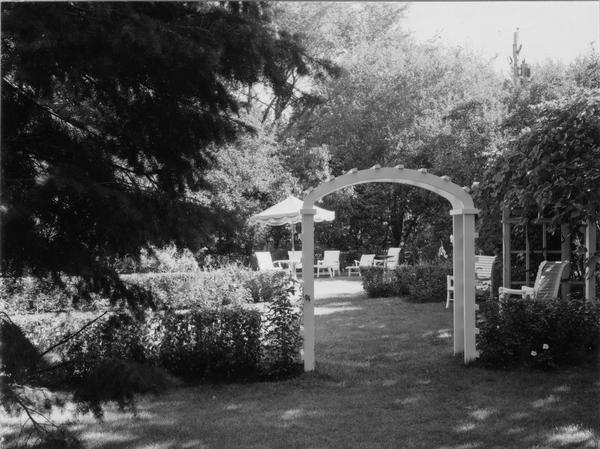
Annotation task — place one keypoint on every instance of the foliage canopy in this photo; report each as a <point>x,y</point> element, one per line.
<point>108,111</point>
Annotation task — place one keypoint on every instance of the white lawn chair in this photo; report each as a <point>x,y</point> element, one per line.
<point>366,260</point>
<point>483,276</point>
<point>330,262</point>
<point>392,260</point>
<point>265,262</point>
<point>547,282</point>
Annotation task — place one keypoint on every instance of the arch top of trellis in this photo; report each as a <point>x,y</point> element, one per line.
<point>463,262</point>
<point>459,197</point>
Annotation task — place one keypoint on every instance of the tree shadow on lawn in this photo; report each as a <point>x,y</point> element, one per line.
<point>385,378</point>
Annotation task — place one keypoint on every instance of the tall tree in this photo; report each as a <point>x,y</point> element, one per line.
<point>400,102</point>
<point>108,111</point>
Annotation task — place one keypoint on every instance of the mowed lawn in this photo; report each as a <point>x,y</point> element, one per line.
<point>385,378</point>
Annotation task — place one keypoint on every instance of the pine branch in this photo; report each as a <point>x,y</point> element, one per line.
<point>69,121</point>
<point>70,336</point>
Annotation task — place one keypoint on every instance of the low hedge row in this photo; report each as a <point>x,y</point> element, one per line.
<point>181,290</point>
<point>543,334</point>
<point>231,285</point>
<point>204,343</point>
<point>424,282</point>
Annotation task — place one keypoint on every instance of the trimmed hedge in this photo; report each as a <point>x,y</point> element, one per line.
<point>231,285</point>
<point>544,334</point>
<point>422,283</point>
<point>204,343</point>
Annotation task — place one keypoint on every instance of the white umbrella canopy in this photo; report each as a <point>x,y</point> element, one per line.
<point>288,212</point>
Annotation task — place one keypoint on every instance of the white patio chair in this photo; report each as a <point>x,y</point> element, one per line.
<point>330,262</point>
<point>392,260</point>
<point>483,276</point>
<point>265,261</point>
<point>366,260</point>
<point>547,282</point>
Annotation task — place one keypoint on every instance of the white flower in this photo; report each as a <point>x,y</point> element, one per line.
<point>545,346</point>
<point>533,353</point>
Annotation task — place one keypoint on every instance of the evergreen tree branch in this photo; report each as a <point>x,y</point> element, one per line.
<point>69,121</point>
<point>70,336</point>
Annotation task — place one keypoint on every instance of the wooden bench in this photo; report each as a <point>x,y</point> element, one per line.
<point>483,275</point>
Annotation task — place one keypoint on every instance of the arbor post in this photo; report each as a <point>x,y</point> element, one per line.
<point>308,279</point>
<point>469,306</point>
<point>457,272</point>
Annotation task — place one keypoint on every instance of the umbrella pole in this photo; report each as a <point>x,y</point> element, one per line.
<point>292,225</point>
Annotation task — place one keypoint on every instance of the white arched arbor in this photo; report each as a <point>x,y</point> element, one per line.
<point>463,222</point>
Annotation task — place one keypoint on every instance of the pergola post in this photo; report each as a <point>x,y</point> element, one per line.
<point>590,276</point>
<point>565,254</point>
<point>308,277</point>
<point>457,272</point>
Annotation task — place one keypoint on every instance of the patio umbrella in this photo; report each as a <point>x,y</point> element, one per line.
<point>288,212</point>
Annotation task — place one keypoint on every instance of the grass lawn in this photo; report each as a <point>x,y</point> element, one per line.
<point>385,378</point>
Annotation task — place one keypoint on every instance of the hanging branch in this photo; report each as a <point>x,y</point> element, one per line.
<point>70,336</point>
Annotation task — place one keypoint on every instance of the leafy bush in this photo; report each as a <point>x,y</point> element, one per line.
<point>544,334</point>
<point>267,285</point>
<point>29,294</point>
<point>198,344</point>
<point>379,282</point>
<point>425,282</point>
<point>168,259</point>
<point>281,356</point>
<point>207,343</point>
<point>228,285</point>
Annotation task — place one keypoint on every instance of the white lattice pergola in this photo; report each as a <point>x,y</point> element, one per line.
<point>463,220</point>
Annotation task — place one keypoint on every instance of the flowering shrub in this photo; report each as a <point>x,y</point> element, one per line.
<point>544,334</point>
<point>425,282</point>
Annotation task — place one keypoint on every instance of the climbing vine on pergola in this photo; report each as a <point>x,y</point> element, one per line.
<point>550,176</point>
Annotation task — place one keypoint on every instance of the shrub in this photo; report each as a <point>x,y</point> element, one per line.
<point>229,285</point>
<point>168,259</point>
<point>207,343</point>
<point>214,343</point>
<point>425,282</point>
<point>282,339</point>
<point>544,334</point>
<point>379,282</point>
<point>194,289</point>
<point>267,285</point>
<point>30,294</point>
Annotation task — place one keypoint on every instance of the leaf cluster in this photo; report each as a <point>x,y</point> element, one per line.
<point>551,168</point>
